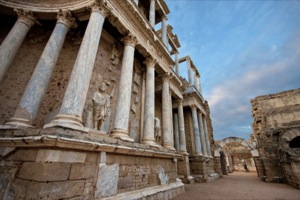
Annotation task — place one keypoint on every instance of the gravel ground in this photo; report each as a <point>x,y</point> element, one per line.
<point>239,186</point>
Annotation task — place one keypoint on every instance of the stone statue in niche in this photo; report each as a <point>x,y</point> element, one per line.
<point>101,106</point>
<point>114,57</point>
<point>157,130</point>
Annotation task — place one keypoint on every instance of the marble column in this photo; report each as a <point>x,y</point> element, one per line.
<point>137,2</point>
<point>152,13</point>
<point>70,114</point>
<point>166,121</point>
<point>14,39</point>
<point>207,136</point>
<point>182,141</point>
<point>188,61</point>
<point>197,82</point>
<point>176,131</point>
<point>121,119</point>
<point>199,85</point>
<point>196,131</point>
<point>171,117</point>
<point>32,98</point>
<point>164,30</point>
<point>176,63</point>
<point>202,134</point>
<point>149,102</point>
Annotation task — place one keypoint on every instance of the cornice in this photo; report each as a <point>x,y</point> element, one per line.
<point>130,17</point>
<point>47,6</point>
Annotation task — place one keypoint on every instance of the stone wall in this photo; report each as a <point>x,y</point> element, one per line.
<point>35,173</point>
<point>276,124</point>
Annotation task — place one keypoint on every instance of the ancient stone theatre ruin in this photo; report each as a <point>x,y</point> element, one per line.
<point>92,105</point>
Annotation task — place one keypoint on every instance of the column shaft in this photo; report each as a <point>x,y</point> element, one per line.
<point>152,13</point>
<point>189,71</point>
<point>164,30</point>
<point>207,136</point>
<point>149,102</point>
<point>202,134</point>
<point>74,99</point>
<point>176,131</point>
<point>176,63</point>
<point>182,143</point>
<point>39,81</point>
<point>121,119</point>
<point>196,131</point>
<point>14,39</point>
<point>166,121</point>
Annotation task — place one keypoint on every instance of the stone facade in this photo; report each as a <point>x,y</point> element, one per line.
<point>276,132</point>
<point>93,106</point>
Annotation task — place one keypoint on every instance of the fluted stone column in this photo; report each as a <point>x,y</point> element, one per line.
<point>149,102</point>
<point>164,30</point>
<point>39,81</point>
<point>152,13</point>
<point>182,141</point>
<point>14,39</point>
<point>166,121</point>
<point>202,134</point>
<point>72,106</point>
<point>176,63</point>
<point>121,119</point>
<point>197,79</point>
<point>176,131</point>
<point>188,61</point>
<point>199,85</point>
<point>196,131</point>
<point>207,137</point>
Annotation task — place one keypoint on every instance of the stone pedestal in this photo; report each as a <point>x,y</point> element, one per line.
<point>37,86</point>
<point>14,39</point>
<point>121,119</point>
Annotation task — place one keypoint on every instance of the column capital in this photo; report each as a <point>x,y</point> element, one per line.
<point>179,102</point>
<point>150,62</point>
<point>101,7</point>
<point>129,40</point>
<point>26,17</point>
<point>65,17</point>
<point>193,106</point>
<point>166,77</point>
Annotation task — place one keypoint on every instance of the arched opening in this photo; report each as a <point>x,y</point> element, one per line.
<point>295,143</point>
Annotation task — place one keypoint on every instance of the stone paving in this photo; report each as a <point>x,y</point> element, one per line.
<point>239,186</point>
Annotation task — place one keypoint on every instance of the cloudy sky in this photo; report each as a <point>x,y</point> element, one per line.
<point>242,49</point>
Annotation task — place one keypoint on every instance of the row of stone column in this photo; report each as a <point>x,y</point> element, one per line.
<point>73,102</point>
<point>201,138</point>
<point>194,78</point>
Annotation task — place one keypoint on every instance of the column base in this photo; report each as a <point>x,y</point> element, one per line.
<point>151,143</point>
<point>121,134</point>
<point>19,123</point>
<point>67,121</point>
<point>170,147</point>
<point>183,153</point>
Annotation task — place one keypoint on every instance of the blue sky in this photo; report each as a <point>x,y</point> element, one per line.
<point>242,49</point>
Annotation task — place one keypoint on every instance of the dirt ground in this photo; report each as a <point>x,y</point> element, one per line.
<point>239,186</point>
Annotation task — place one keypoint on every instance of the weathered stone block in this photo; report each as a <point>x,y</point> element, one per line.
<point>44,171</point>
<point>82,171</point>
<point>25,155</point>
<point>61,156</point>
<point>107,180</point>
